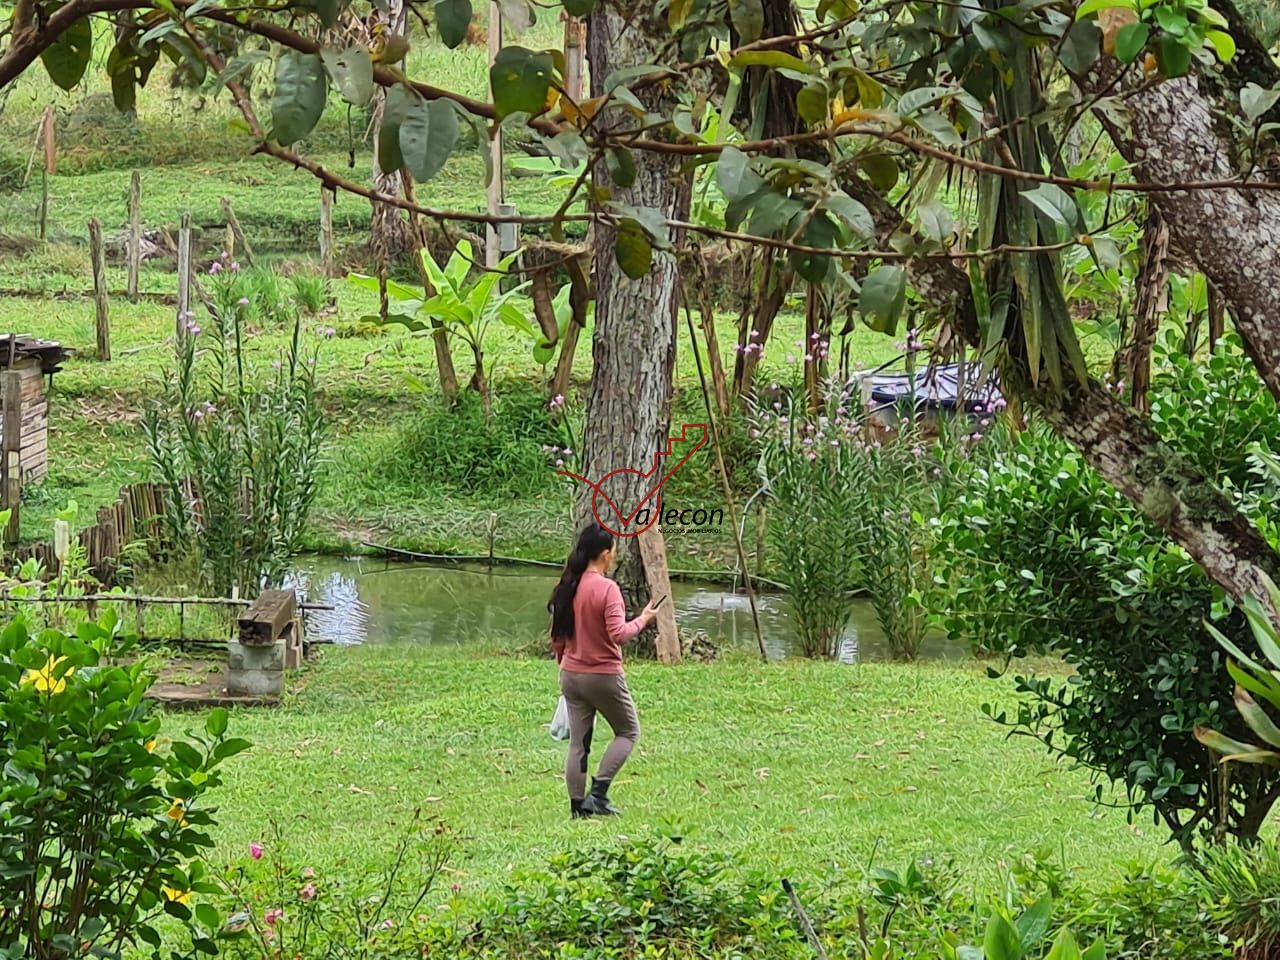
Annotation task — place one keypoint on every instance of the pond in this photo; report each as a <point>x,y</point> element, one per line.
<point>379,602</point>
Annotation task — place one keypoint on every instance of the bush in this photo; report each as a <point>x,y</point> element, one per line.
<point>1240,888</point>
<point>236,449</point>
<point>101,827</point>
<point>1047,558</point>
<point>463,450</point>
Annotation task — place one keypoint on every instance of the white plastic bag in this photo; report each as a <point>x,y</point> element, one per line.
<point>560,721</point>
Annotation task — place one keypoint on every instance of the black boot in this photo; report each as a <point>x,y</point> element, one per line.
<point>579,809</point>
<point>598,800</point>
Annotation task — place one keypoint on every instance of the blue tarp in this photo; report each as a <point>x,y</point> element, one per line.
<point>935,387</point>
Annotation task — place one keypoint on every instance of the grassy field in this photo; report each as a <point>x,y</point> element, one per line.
<point>808,768</point>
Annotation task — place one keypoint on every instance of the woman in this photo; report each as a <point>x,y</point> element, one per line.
<point>588,628</point>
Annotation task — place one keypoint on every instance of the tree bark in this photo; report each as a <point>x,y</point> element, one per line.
<point>1152,302</point>
<point>634,343</point>
<point>389,234</point>
<point>1120,444</point>
<point>1233,235</point>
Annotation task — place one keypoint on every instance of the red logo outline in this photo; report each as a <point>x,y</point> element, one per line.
<point>597,487</point>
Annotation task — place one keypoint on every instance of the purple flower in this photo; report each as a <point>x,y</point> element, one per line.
<point>308,892</point>
<point>556,402</point>
<point>984,422</point>
<point>328,333</point>
<point>755,334</point>
<point>224,255</point>
<point>243,301</point>
<point>192,328</point>
<point>808,358</point>
<point>791,358</point>
<point>754,434</point>
<point>559,463</point>
<point>215,268</point>
<point>235,266</point>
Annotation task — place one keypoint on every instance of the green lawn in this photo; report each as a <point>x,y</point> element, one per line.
<point>802,767</point>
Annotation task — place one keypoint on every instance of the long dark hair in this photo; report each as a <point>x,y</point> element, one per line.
<point>592,541</point>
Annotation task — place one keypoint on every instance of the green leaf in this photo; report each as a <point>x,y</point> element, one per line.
<point>883,296</point>
<point>1256,100</point>
<point>352,73</point>
<point>677,13</point>
<point>1223,44</point>
<point>1233,749</point>
<point>816,267</point>
<point>1173,56</point>
<point>852,213</point>
<point>1098,951</point>
<point>1034,922</point>
<point>520,80</point>
<point>237,67</point>
<point>622,166</point>
<point>1090,7</point>
<point>1256,717</point>
<point>1064,946</point>
<point>1080,50</point>
<point>1106,253</point>
<point>747,17</point>
<point>1001,940</point>
<point>1131,41</point>
<point>771,58</point>
<point>579,8</point>
<point>216,724</point>
<point>811,101</point>
<point>1055,203</point>
<point>517,14</point>
<point>453,18</point>
<point>881,169</point>
<point>326,10</point>
<point>394,112</point>
<point>632,249</point>
<point>66,60</point>
<point>732,170</point>
<point>936,221</point>
<point>427,137</point>
<point>299,99</point>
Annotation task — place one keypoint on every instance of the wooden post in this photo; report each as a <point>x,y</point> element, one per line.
<point>326,231</point>
<point>184,273</point>
<point>653,552</point>
<point>237,234</point>
<point>575,33</point>
<point>48,137</point>
<point>135,234</point>
<point>11,442</point>
<point>97,254</point>
<point>492,254</point>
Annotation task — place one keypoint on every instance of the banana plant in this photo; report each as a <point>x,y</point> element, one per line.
<point>1023,938</point>
<point>1254,681</point>
<point>467,309</point>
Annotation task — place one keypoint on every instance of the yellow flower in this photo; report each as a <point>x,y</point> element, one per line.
<point>177,812</point>
<point>151,746</point>
<point>173,895</point>
<point>45,680</point>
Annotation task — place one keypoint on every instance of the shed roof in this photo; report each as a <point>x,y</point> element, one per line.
<point>21,346</point>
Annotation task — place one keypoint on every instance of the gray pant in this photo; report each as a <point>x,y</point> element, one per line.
<point>586,695</point>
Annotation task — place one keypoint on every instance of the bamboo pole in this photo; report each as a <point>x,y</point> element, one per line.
<point>184,273</point>
<point>730,500</point>
<point>491,251</point>
<point>236,232</point>
<point>326,231</point>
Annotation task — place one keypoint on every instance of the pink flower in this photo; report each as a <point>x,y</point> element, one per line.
<point>328,333</point>
<point>556,402</point>
<point>755,334</point>
<point>255,850</point>
<point>235,266</point>
<point>215,268</point>
<point>456,888</point>
<point>308,872</point>
<point>243,301</point>
<point>273,915</point>
<point>388,923</point>
<point>308,892</point>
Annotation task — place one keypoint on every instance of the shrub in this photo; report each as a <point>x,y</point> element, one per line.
<point>282,907</point>
<point>463,450</point>
<point>808,469</point>
<point>237,450</point>
<point>1240,888</point>
<point>311,292</point>
<point>101,827</point>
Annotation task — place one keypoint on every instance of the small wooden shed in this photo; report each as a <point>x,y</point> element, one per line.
<point>23,400</point>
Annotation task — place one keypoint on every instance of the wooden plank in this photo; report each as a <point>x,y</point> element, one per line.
<point>268,616</point>
<point>135,235</point>
<point>10,458</point>
<point>326,231</point>
<point>653,552</point>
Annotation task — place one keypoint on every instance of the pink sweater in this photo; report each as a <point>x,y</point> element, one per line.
<point>600,628</point>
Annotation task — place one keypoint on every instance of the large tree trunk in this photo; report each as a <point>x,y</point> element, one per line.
<point>389,234</point>
<point>628,407</point>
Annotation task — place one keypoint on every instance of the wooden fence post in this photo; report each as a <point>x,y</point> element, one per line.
<point>11,442</point>
<point>234,225</point>
<point>98,256</point>
<point>135,234</point>
<point>48,137</point>
<point>184,273</point>
<point>492,256</point>
<point>326,231</point>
